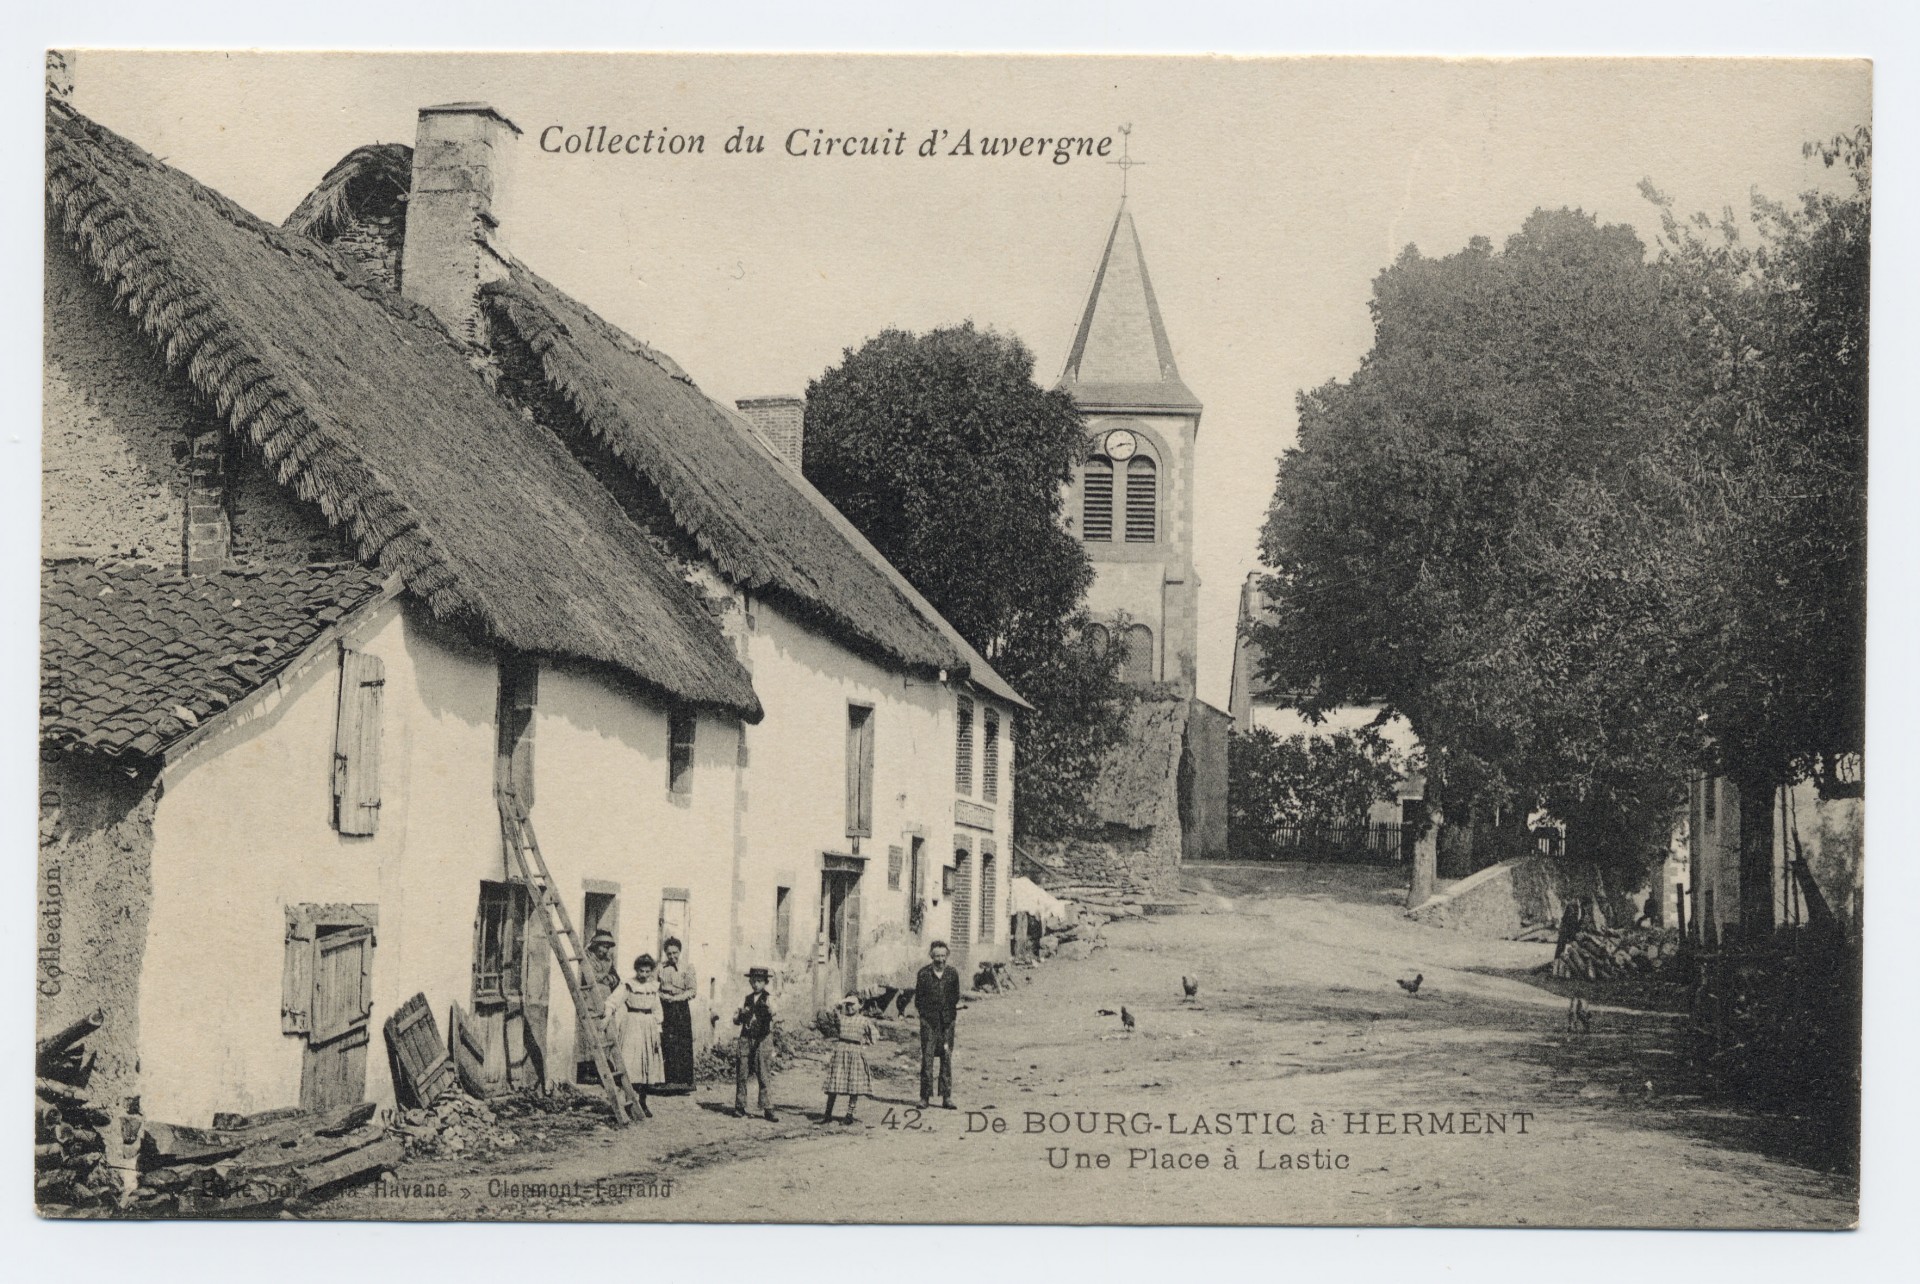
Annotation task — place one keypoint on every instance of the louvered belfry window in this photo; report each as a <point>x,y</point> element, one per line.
<point>1143,500</point>
<point>1096,501</point>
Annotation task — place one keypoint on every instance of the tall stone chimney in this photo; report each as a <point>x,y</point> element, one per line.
<point>780,421</point>
<point>453,244</point>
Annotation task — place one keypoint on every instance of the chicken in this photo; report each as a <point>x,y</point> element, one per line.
<point>1191,986</point>
<point>1412,987</point>
<point>1105,1012</point>
<point>1126,1019</point>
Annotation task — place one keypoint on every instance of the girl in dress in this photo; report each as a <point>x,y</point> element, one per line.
<point>633,1022</point>
<point>847,1073</point>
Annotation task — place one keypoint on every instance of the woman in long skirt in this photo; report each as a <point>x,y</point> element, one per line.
<point>633,1022</point>
<point>847,1073</point>
<point>677,988</point>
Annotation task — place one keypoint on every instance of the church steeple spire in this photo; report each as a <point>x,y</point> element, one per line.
<point>1121,359</point>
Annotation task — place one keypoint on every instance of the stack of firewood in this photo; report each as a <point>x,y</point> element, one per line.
<point>69,1145</point>
<point>1614,954</point>
<point>456,1124</point>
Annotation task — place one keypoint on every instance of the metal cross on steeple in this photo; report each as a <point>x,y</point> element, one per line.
<point>1126,161</point>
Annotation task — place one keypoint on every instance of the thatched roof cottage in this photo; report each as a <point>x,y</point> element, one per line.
<point>343,519</point>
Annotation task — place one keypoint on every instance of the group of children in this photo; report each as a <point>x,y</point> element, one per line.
<point>847,1073</point>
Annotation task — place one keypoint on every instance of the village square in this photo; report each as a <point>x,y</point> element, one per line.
<point>484,776</point>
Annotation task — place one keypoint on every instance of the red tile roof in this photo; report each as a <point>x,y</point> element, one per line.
<point>133,658</point>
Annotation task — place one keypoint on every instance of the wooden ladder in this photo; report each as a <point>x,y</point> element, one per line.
<point>524,850</point>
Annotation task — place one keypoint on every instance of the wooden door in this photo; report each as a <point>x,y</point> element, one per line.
<point>333,1071</point>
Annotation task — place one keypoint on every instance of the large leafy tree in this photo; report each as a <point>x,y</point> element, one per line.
<point>1312,782</point>
<point>1593,519</point>
<point>1471,527</point>
<point>945,453</point>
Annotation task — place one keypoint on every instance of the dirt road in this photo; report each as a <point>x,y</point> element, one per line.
<point>1467,1104</point>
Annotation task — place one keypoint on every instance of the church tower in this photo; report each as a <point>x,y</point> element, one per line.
<point>1131,504</point>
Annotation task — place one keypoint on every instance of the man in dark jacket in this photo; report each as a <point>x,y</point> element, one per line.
<point>936,996</point>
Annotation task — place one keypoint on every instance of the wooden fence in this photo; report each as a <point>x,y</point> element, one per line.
<point>1336,844</point>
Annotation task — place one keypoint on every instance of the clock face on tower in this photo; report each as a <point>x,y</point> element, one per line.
<point>1119,444</point>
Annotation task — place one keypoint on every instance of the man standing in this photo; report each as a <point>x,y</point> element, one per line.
<point>603,978</point>
<point>750,1052</point>
<point>936,995</point>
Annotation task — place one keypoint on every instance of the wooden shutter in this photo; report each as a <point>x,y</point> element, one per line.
<point>895,857</point>
<point>963,749</point>
<point>342,982</point>
<point>990,760</point>
<point>850,939</point>
<point>859,771</point>
<point>296,975</point>
<point>987,910</point>
<point>782,920</point>
<point>425,1069</point>
<point>356,743</point>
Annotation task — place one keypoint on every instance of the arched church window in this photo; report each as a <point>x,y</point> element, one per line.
<point>1099,640</point>
<point>1139,655</point>
<point>1096,501</point>
<point>1143,500</point>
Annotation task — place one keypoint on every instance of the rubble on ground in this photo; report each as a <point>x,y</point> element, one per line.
<point>455,1124</point>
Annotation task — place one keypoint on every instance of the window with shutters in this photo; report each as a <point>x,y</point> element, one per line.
<point>990,758</point>
<point>519,694</point>
<point>356,743</point>
<point>782,921</point>
<point>1096,501</point>
<point>499,933</point>
<point>680,732</point>
<point>963,749</point>
<point>859,771</point>
<point>327,972</point>
<point>1143,500</point>
<point>1139,668</point>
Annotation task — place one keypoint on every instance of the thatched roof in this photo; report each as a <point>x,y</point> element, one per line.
<point>366,408</point>
<point>133,658</point>
<point>759,521</point>
<point>375,177</point>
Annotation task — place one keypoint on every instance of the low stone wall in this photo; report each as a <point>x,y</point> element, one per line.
<point>1506,899</point>
<point>1139,859</point>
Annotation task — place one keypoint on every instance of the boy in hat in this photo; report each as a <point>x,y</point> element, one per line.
<point>750,1052</point>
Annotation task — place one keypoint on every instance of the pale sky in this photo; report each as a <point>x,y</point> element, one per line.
<point>1274,191</point>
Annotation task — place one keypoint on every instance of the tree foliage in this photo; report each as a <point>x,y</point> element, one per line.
<point>946,454</point>
<point>1317,781</point>
<point>1591,519</point>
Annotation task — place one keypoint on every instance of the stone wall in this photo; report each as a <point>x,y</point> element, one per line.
<point>95,893</point>
<point>270,524</point>
<point>1504,900</point>
<point>1114,856</point>
<point>115,456</point>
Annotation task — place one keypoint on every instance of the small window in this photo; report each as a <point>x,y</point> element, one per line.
<point>963,749</point>
<point>859,771</point>
<point>519,695</point>
<point>680,732</point>
<point>1139,668</point>
<point>990,759</point>
<point>782,921</point>
<point>498,932</point>
<point>1143,500</point>
<point>1096,501</point>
